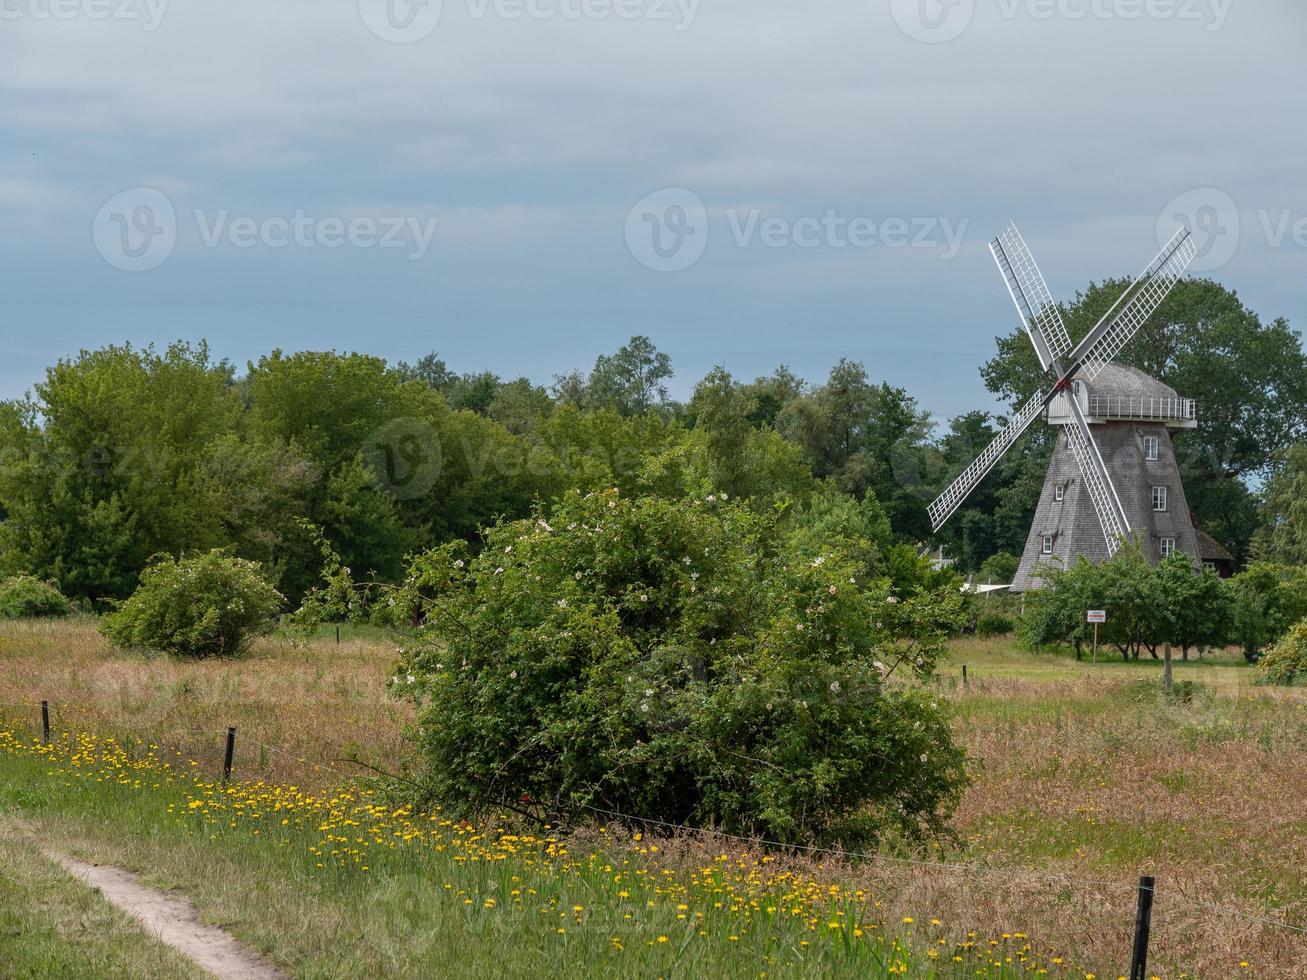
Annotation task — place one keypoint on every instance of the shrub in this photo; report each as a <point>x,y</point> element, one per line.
<point>210,604</point>
<point>1287,662</point>
<point>994,623</point>
<point>24,596</point>
<point>670,659</point>
<point>1268,600</point>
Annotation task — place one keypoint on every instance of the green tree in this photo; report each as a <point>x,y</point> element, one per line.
<point>1283,536</point>
<point>632,381</point>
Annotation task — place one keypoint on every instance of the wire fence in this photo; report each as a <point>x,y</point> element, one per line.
<point>1260,918</point>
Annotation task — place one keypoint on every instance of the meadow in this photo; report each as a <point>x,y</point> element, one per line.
<point>1085,777</point>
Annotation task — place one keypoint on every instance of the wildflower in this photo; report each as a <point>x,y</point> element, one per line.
<point>562,603</point>
<point>578,576</point>
<point>513,675</point>
<point>835,687</point>
<point>892,599</point>
<point>459,563</point>
<point>833,590</point>
<point>508,550</point>
<point>499,571</point>
<point>924,757</point>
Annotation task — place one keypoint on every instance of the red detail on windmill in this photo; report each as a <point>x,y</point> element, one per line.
<point>1063,385</point>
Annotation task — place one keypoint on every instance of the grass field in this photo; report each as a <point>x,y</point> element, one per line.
<point>1086,777</point>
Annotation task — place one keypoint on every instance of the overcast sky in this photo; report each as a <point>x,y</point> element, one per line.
<point>521,185</point>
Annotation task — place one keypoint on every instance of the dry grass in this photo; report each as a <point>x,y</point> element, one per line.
<point>319,701</point>
<point>1085,778</point>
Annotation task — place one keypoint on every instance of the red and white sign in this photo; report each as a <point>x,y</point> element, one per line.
<point>1098,615</point>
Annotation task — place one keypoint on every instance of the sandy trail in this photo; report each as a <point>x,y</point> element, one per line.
<point>173,919</point>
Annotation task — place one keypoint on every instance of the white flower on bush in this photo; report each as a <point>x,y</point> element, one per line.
<point>499,571</point>
<point>562,603</point>
<point>513,675</point>
<point>644,597</point>
<point>712,498</point>
<point>459,563</point>
<point>924,757</point>
<point>578,576</point>
<point>833,590</point>
<point>891,599</point>
<point>818,561</point>
<point>508,550</point>
<point>880,668</point>
<point>648,692</point>
<point>835,687</point>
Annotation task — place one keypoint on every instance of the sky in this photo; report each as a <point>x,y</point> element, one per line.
<point>521,185</point>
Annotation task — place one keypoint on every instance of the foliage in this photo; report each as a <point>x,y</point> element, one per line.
<point>24,596</point>
<point>1283,535</point>
<point>209,604</point>
<point>668,658</point>
<point>1269,598</point>
<point>994,622</point>
<point>1000,568</point>
<point>1146,605</point>
<point>1287,661</point>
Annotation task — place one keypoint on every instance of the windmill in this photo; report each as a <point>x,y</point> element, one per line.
<point>1071,370</point>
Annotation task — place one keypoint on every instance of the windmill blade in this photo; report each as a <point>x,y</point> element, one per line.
<point>1134,306</point>
<point>1111,515</point>
<point>951,499</point>
<point>1025,283</point>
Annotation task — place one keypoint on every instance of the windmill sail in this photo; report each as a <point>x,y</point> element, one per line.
<point>1111,515</point>
<point>1136,304</point>
<point>951,499</point>
<point>1039,314</point>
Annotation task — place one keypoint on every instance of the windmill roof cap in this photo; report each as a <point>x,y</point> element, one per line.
<point>1118,379</point>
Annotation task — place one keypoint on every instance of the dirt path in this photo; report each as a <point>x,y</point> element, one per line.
<point>174,920</point>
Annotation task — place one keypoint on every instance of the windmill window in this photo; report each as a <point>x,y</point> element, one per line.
<point>1150,448</point>
<point>1210,566</point>
<point>1048,544</point>
<point>1159,498</point>
<point>1168,547</point>
<point>1059,492</point>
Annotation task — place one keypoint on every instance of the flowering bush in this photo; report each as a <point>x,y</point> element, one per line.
<point>668,659</point>
<point>1287,662</point>
<point>24,595</point>
<point>211,604</point>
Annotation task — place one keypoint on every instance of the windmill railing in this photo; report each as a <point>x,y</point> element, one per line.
<point>1143,407</point>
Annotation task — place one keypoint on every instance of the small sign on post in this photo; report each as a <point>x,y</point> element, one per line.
<point>1097,616</point>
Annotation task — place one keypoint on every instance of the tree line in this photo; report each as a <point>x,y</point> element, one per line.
<point>121,454</point>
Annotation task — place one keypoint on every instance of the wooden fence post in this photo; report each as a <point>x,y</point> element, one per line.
<point>1167,678</point>
<point>45,721</point>
<point>1143,923</point>
<point>227,757</point>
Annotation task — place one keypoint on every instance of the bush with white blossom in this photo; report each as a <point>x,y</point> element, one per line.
<point>668,659</point>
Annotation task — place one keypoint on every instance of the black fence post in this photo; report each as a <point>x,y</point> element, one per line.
<point>965,683</point>
<point>1143,923</point>
<point>45,721</point>
<point>231,750</point>
<point>337,634</point>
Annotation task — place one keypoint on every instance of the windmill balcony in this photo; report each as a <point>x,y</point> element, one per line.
<point>1169,410</point>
